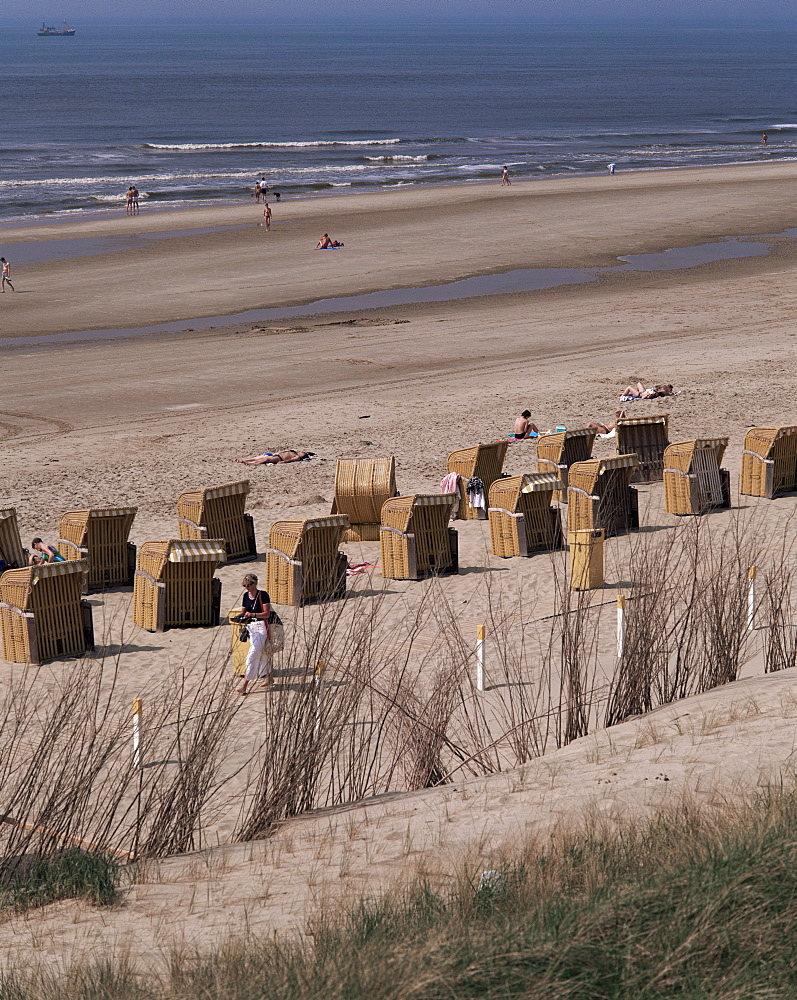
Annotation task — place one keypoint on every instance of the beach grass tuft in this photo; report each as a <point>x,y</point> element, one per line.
<point>693,903</point>
<point>30,882</point>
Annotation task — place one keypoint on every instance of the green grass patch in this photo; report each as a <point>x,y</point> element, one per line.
<point>694,905</point>
<point>69,874</point>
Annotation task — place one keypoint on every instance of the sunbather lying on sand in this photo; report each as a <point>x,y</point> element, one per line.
<point>638,391</point>
<point>607,428</point>
<point>277,458</point>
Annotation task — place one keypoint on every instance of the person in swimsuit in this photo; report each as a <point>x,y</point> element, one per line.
<point>135,200</point>
<point>267,217</point>
<point>277,458</point>
<point>505,181</point>
<point>43,553</point>
<point>129,196</point>
<point>607,428</point>
<point>5,278</point>
<point>523,425</point>
<point>640,392</point>
<point>257,192</point>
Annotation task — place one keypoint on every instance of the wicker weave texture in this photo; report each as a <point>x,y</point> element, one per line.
<point>557,452</point>
<point>586,558</point>
<point>217,512</point>
<point>522,519</point>
<point>415,537</point>
<point>483,460</point>
<point>362,485</point>
<point>170,594</point>
<point>647,437</point>
<point>10,543</point>
<point>303,561</point>
<point>99,535</point>
<point>599,495</point>
<point>41,616</point>
<point>693,479</point>
<point>769,461</point>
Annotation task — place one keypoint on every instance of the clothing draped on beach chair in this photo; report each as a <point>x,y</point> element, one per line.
<point>482,461</point>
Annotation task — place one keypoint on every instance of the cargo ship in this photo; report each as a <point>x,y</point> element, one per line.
<point>51,30</point>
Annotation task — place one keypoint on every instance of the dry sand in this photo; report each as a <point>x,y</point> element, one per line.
<point>138,420</point>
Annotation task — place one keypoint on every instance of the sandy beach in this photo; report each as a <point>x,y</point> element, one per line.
<point>139,419</point>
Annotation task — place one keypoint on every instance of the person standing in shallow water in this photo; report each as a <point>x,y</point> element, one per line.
<point>505,181</point>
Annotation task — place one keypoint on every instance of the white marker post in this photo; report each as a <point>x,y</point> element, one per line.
<point>481,632</point>
<point>318,683</point>
<point>137,705</point>
<point>751,599</point>
<point>620,625</point>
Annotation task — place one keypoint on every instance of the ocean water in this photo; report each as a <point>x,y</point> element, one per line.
<point>195,115</point>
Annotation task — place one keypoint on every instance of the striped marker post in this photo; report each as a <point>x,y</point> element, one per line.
<point>137,707</point>
<point>481,632</point>
<point>751,599</point>
<point>620,625</point>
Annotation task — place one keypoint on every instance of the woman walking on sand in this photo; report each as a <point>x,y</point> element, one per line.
<point>267,217</point>
<point>256,610</point>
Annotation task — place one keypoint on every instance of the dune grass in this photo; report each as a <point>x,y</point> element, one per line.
<point>69,874</point>
<point>695,904</point>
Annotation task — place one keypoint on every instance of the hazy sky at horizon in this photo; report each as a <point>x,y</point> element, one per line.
<point>716,12</point>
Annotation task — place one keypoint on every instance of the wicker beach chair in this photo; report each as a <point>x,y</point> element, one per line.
<point>175,584</point>
<point>415,536</point>
<point>647,437</point>
<point>693,479</point>
<point>362,485</point>
<point>100,535</point>
<point>11,552</point>
<point>557,452</point>
<point>303,562</point>
<point>218,512</point>
<point>522,519</point>
<point>769,461</point>
<point>42,615</point>
<point>485,461</point>
<point>599,495</point>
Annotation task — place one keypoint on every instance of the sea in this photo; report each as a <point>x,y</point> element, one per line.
<point>194,115</point>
